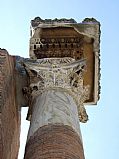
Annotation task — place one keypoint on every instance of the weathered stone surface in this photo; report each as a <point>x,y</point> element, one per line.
<point>9,111</point>
<point>21,80</point>
<point>38,20</point>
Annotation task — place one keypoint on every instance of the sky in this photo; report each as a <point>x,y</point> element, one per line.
<point>101,132</point>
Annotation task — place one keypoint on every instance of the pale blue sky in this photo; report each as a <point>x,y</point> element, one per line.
<point>101,132</point>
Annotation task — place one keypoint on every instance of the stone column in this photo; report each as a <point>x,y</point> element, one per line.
<point>56,95</point>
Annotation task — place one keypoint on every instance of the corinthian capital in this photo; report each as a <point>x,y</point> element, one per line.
<point>65,74</point>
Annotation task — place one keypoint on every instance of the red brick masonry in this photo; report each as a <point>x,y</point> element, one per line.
<point>9,112</point>
<point>54,142</point>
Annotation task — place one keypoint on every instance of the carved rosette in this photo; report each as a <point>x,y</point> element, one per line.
<point>64,74</point>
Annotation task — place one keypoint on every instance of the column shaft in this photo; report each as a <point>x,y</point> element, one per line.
<point>54,131</point>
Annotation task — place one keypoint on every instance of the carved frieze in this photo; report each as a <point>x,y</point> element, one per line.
<point>57,47</point>
<point>64,74</point>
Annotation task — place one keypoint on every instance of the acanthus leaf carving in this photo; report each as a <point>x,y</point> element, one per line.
<point>58,73</point>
